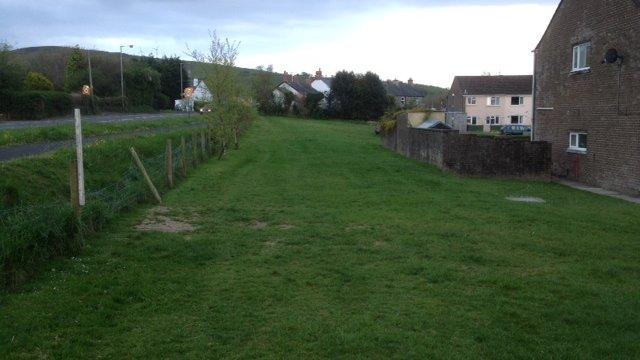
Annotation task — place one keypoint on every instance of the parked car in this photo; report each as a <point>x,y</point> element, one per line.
<point>516,130</point>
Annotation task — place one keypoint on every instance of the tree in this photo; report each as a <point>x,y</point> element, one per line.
<point>142,84</point>
<point>12,74</point>
<point>76,73</point>
<point>343,94</point>
<point>263,90</point>
<point>358,96</point>
<point>37,81</point>
<point>231,108</point>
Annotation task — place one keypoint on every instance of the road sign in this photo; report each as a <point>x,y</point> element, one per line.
<point>189,92</point>
<point>87,90</point>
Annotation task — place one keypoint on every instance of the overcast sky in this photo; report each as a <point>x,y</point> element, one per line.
<point>431,41</point>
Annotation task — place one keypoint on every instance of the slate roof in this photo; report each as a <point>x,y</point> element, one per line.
<point>301,87</point>
<point>397,88</point>
<point>494,85</point>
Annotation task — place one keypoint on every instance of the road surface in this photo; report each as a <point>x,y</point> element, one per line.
<point>92,119</point>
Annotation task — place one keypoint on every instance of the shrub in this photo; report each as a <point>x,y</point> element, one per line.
<point>387,126</point>
<point>37,82</point>
<point>34,104</point>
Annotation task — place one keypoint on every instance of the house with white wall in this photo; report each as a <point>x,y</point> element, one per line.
<point>490,102</point>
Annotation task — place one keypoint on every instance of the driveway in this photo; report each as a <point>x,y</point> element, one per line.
<point>92,119</point>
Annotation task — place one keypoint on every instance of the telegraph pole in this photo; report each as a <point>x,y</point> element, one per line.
<point>90,81</point>
<point>122,75</point>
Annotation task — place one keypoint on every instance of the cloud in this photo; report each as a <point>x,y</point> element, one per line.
<point>430,41</point>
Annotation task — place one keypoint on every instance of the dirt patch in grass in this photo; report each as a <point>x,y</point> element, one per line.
<point>258,225</point>
<point>286,226</point>
<point>158,221</point>
<point>526,199</point>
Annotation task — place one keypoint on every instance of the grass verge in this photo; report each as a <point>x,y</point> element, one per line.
<point>313,241</point>
<point>67,132</point>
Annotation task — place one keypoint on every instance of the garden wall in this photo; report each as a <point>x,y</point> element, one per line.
<point>472,155</point>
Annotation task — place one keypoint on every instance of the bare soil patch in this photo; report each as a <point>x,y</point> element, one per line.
<point>158,220</point>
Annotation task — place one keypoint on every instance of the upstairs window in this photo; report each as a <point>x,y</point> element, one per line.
<point>472,120</point>
<point>471,100</point>
<point>493,101</point>
<point>578,141</point>
<point>517,100</point>
<point>581,57</point>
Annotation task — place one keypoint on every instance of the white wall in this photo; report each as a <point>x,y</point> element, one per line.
<point>481,110</point>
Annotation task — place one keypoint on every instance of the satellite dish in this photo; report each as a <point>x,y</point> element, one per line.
<point>611,57</point>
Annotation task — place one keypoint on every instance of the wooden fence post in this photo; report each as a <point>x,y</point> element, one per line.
<point>183,156</point>
<point>169,163</point>
<point>203,145</point>
<point>73,187</point>
<point>194,145</point>
<point>146,176</point>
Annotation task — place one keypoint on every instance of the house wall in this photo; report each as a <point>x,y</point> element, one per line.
<point>505,110</point>
<point>588,102</point>
<point>471,154</point>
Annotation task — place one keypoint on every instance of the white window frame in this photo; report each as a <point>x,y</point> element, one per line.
<point>575,145</point>
<point>493,120</point>
<point>403,100</point>
<point>471,100</point>
<point>472,120</point>
<point>520,100</point>
<point>580,60</point>
<point>491,102</point>
<point>520,119</point>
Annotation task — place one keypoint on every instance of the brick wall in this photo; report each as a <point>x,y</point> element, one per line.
<point>588,102</point>
<point>471,154</point>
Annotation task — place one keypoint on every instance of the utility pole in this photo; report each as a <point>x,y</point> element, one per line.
<point>122,75</point>
<point>181,83</point>
<point>90,81</point>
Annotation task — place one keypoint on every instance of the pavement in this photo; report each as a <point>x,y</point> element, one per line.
<point>91,119</point>
<point>600,191</point>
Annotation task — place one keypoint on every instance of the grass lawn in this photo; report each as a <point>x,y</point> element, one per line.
<point>67,132</point>
<point>313,241</point>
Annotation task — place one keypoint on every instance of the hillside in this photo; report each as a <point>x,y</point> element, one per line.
<point>52,60</point>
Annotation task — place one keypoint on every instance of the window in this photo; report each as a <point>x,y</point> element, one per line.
<point>581,57</point>
<point>493,101</point>
<point>403,100</point>
<point>472,120</point>
<point>578,141</point>
<point>471,100</point>
<point>517,100</point>
<point>517,119</point>
<point>493,120</point>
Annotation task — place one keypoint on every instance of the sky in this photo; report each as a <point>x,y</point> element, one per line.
<point>429,41</point>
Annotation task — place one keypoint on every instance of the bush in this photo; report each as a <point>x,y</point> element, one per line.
<point>111,104</point>
<point>34,105</point>
<point>475,128</point>
<point>37,82</point>
<point>162,102</point>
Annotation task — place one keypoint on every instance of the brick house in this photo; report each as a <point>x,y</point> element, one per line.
<point>586,107</point>
<point>490,102</point>
<point>406,95</point>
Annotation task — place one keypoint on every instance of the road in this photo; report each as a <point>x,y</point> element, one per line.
<point>92,119</point>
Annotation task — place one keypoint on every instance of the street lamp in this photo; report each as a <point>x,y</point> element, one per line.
<point>122,74</point>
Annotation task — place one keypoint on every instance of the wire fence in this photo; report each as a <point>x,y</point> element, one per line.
<point>31,233</point>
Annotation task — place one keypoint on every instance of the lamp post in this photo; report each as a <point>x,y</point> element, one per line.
<point>122,75</point>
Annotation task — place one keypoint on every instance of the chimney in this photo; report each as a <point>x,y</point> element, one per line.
<point>286,77</point>
<point>410,82</point>
<point>319,74</point>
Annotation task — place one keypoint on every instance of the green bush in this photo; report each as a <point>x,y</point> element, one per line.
<point>111,104</point>
<point>475,128</point>
<point>37,82</point>
<point>34,104</point>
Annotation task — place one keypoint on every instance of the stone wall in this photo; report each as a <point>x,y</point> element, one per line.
<point>472,155</point>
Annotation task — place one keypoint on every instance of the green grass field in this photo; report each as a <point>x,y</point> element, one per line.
<point>67,132</point>
<point>313,241</point>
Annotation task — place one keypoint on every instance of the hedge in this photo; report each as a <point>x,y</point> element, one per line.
<point>34,105</point>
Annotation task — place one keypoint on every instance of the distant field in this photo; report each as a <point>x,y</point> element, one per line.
<point>59,132</point>
<point>313,241</point>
